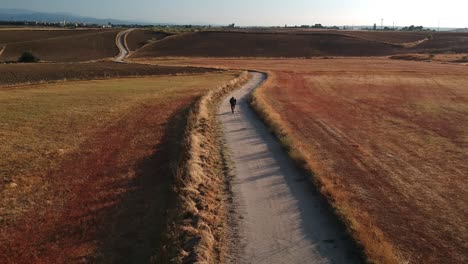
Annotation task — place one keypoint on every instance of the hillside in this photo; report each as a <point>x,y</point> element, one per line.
<point>138,38</point>
<point>64,46</point>
<point>250,44</point>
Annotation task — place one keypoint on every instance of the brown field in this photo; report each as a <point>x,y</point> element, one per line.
<point>387,142</point>
<point>10,36</point>
<point>445,43</point>
<point>392,37</point>
<point>87,167</point>
<point>69,46</point>
<point>458,58</point>
<point>138,38</point>
<point>15,74</point>
<point>300,44</point>
<point>242,44</point>
<point>412,57</point>
<point>389,37</point>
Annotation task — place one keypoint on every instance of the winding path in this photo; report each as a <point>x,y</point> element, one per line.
<point>121,42</point>
<point>280,218</point>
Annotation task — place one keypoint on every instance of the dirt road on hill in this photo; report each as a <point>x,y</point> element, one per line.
<point>279,216</point>
<point>121,42</point>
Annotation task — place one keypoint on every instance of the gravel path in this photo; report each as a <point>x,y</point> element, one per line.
<point>121,42</point>
<point>279,216</point>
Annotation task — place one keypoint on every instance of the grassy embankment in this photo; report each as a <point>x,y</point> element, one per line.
<point>200,233</point>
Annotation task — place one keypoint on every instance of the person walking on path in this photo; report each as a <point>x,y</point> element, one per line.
<point>233,103</point>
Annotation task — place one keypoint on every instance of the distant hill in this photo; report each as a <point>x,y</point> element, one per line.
<point>462,30</point>
<point>28,15</point>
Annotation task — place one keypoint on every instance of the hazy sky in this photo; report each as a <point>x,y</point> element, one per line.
<point>450,13</point>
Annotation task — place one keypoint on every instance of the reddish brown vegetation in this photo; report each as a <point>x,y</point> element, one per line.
<point>399,163</point>
<point>387,143</point>
<point>104,197</point>
<point>94,45</point>
<point>14,74</point>
<point>138,38</point>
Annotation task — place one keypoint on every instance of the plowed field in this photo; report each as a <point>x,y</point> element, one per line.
<point>69,46</point>
<point>242,44</point>
<point>20,35</point>
<point>139,37</point>
<point>300,44</point>
<point>14,74</point>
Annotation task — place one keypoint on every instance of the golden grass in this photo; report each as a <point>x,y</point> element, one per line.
<point>42,125</point>
<point>199,230</point>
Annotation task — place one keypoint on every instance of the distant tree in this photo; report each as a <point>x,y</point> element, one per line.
<point>413,28</point>
<point>375,26</point>
<point>28,56</point>
<point>317,26</point>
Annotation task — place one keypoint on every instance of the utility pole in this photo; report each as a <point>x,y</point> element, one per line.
<point>393,25</point>
<point>438,25</point>
<point>381,24</point>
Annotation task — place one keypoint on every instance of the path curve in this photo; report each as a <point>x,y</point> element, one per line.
<point>280,217</point>
<point>121,42</point>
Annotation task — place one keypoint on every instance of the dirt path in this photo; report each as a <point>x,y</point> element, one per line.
<point>121,42</point>
<point>280,218</point>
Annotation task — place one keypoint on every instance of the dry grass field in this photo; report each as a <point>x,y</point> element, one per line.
<point>60,46</point>
<point>30,73</point>
<point>386,141</point>
<point>86,168</point>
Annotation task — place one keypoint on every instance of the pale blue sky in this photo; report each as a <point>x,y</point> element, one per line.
<point>450,13</point>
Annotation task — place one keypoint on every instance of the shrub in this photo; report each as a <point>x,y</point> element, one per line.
<point>27,56</point>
